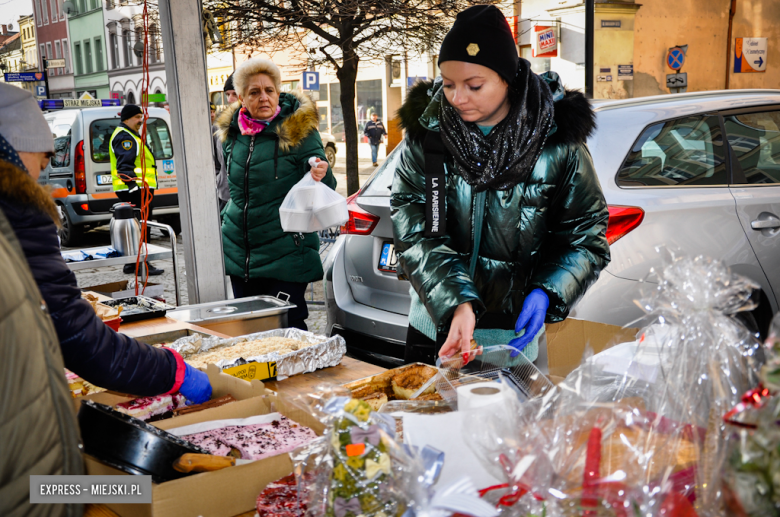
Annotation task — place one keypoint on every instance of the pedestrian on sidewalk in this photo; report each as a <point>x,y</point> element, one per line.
<point>90,348</point>
<point>127,173</point>
<point>267,140</point>
<point>223,192</point>
<point>375,131</point>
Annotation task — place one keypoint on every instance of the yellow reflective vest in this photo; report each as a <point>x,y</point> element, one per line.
<point>151,171</point>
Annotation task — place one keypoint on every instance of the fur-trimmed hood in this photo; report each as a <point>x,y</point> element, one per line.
<point>573,116</point>
<point>299,119</point>
<point>19,187</point>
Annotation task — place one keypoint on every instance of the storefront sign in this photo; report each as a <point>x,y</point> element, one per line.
<point>625,73</point>
<point>25,77</point>
<point>55,63</point>
<point>610,23</point>
<point>749,55</point>
<point>545,42</point>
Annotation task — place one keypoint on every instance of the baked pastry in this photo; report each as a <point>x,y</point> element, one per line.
<point>429,396</point>
<point>152,409</point>
<point>376,400</point>
<point>280,499</point>
<point>407,381</point>
<point>254,442</point>
<point>221,401</point>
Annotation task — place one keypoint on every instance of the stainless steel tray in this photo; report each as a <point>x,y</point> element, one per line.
<point>231,310</point>
<point>137,308</point>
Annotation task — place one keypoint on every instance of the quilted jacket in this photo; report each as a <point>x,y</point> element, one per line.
<point>548,232</point>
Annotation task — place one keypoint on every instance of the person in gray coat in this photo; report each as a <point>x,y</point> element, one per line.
<point>39,434</point>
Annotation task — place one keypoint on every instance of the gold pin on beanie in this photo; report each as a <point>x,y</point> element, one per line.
<point>481,35</point>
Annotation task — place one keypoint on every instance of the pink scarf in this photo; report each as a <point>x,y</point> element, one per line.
<point>251,126</point>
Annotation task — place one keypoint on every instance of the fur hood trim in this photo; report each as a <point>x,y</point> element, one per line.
<point>293,128</point>
<point>574,118</point>
<point>19,187</point>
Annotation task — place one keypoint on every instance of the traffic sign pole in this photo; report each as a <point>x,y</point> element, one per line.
<point>46,77</point>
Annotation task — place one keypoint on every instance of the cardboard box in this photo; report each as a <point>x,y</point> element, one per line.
<point>224,493</point>
<point>566,342</point>
<point>120,290</point>
<point>221,385</point>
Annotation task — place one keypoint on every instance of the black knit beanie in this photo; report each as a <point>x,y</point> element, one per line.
<point>481,35</point>
<point>229,84</point>
<point>129,111</point>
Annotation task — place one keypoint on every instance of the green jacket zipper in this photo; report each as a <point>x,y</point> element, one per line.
<point>246,208</point>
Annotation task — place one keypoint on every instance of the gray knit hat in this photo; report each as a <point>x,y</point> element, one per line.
<point>22,123</point>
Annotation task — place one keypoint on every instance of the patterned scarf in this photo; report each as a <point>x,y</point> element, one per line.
<point>8,154</point>
<point>507,155</point>
<point>250,126</point>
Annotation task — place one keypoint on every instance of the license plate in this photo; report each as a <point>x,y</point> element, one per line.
<point>104,179</point>
<point>388,260</point>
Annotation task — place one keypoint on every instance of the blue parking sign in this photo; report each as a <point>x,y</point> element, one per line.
<point>40,91</point>
<point>311,81</point>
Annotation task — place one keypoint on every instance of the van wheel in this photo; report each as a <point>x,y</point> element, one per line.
<point>70,235</point>
<point>330,155</point>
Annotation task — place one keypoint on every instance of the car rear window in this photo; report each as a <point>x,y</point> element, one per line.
<point>755,140</point>
<point>379,183</point>
<point>158,138</point>
<point>685,152</point>
<point>61,130</point>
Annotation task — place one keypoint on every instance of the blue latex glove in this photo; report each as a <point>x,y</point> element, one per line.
<point>531,319</point>
<point>196,386</point>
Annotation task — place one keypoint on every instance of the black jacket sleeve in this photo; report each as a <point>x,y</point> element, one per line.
<point>90,349</point>
<point>125,149</point>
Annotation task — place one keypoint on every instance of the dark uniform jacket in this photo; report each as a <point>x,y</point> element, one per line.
<point>548,232</point>
<point>374,131</point>
<point>125,156</point>
<point>91,349</point>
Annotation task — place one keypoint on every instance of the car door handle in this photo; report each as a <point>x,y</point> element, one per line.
<point>765,224</point>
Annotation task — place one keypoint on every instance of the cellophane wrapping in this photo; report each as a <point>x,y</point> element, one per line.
<point>752,472</point>
<point>650,440</point>
<point>356,468</point>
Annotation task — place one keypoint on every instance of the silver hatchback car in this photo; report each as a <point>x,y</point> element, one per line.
<point>670,180</point>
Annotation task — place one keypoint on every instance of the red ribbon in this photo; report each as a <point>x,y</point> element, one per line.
<point>752,399</point>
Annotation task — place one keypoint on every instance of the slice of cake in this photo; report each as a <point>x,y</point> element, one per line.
<point>280,499</point>
<point>151,409</point>
<point>221,401</point>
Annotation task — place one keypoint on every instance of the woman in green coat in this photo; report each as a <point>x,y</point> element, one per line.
<point>267,139</point>
<point>498,216</point>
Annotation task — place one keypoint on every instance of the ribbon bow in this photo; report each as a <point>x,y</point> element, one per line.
<point>370,435</point>
<point>459,497</point>
<point>753,398</point>
<point>373,468</point>
<point>341,506</point>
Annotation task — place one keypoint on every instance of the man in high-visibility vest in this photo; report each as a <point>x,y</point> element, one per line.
<point>127,165</point>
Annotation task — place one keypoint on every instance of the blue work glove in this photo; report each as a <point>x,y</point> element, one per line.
<point>196,386</point>
<point>531,319</point>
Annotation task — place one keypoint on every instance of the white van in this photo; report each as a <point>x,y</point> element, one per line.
<point>80,171</point>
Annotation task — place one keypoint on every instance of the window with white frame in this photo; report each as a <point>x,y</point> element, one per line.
<point>58,71</point>
<point>43,55</point>
<point>99,54</point>
<point>45,12</point>
<point>39,14</point>
<point>65,55</point>
<point>77,57</point>
<point>49,55</point>
<point>54,13</point>
<point>113,50</point>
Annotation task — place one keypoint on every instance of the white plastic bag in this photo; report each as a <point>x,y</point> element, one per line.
<point>311,206</point>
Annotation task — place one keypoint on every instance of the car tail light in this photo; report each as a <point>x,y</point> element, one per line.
<point>85,207</point>
<point>622,219</point>
<point>78,169</point>
<point>360,222</point>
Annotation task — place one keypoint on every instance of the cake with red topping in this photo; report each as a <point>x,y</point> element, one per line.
<point>151,409</point>
<point>280,499</point>
<point>254,442</point>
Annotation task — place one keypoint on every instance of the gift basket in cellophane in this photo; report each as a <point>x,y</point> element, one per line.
<point>358,469</point>
<point>647,438</point>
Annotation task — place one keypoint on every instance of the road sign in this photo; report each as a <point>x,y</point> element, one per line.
<point>410,81</point>
<point>625,73</point>
<point>677,80</point>
<point>311,81</point>
<point>55,63</point>
<point>675,58</point>
<point>750,55</point>
<point>24,77</point>
<point>610,23</point>
<point>40,91</point>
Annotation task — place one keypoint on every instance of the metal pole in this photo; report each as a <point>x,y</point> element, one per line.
<point>185,68</point>
<point>590,7</point>
<point>46,75</point>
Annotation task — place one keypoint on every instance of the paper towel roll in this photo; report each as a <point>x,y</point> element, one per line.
<point>480,394</point>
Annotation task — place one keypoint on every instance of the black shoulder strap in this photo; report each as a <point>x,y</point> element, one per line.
<point>435,186</point>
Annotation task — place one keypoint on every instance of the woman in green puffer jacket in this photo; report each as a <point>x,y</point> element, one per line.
<point>498,216</point>
<point>267,139</point>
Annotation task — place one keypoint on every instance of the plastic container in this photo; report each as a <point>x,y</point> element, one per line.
<point>333,214</point>
<point>113,323</point>
<point>305,196</point>
<point>294,220</point>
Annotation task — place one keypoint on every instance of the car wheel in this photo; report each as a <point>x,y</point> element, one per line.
<point>70,234</point>
<point>330,155</point>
